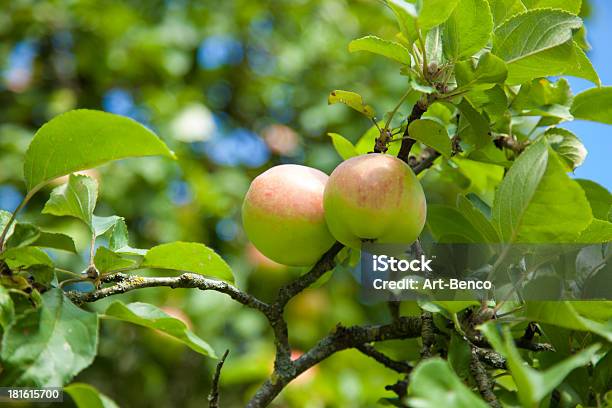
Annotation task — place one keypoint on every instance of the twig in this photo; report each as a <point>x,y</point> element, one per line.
<point>483,382</point>
<point>510,143</point>
<point>491,358</point>
<point>370,351</point>
<point>427,326</point>
<point>520,343</point>
<point>126,283</point>
<point>325,264</point>
<point>427,334</point>
<point>213,397</point>
<point>419,108</point>
<point>392,114</point>
<point>530,331</point>
<point>533,346</point>
<point>400,388</point>
<point>425,160</point>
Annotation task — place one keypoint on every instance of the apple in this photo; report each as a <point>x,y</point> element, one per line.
<point>283,216</point>
<point>374,197</point>
<point>260,261</point>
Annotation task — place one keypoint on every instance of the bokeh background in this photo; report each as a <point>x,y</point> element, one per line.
<point>232,87</point>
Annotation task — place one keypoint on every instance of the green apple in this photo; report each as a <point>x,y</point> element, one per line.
<point>374,197</point>
<point>283,216</point>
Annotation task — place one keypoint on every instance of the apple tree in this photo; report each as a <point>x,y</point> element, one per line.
<point>477,143</point>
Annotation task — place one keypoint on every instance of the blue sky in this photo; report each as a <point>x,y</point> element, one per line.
<point>596,137</point>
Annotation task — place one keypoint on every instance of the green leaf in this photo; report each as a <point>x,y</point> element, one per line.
<point>433,384</point>
<point>116,230</point>
<point>101,225</point>
<point>565,59</point>
<point>405,14</point>
<point>563,314</point>
<point>483,177</point>
<point>528,206</point>
<point>423,15</point>
<point>568,147</point>
<point>55,240</point>
<point>29,234</point>
<point>459,355</point>
<point>572,6</point>
<point>504,9</point>
<point>431,134</point>
<point>86,396</point>
<point>468,29</point>
<point>532,32</point>
<point>107,261</point>
<point>189,257</point>
<point>434,12</point>
<point>25,257</point>
<point>539,43</point>
<point>343,146</point>
<point>445,221</point>
<point>543,92</point>
<point>456,306</point>
<point>352,100</point>
<point>599,198</point>
<point>434,47</point>
<point>23,234</point>
<point>478,220</point>
<point>584,103</point>
<point>473,126</point>
<point>533,385</point>
<point>541,97</point>
<point>598,231</point>
<point>490,70</point>
<point>77,198</point>
<point>48,346</point>
<point>490,154</point>
<point>146,315</point>
<point>600,310</point>
<point>581,66</point>
<point>7,308</point>
<point>119,236</point>
<point>82,139</point>
<point>5,216</point>
<point>418,85</point>
<point>389,49</point>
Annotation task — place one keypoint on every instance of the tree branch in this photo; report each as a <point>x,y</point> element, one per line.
<point>213,397</point>
<point>510,143</point>
<point>340,339</point>
<point>491,358</point>
<point>418,110</point>
<point>126,283</point>
<point>425,160</point>
<point>400,388</point>
<point>520,343</point>
<point>427,325</point>
<point>326,263</point>
<point>323,265</point>
<point>483,382</point>
<point>533,346</point>
<point>370,351</point>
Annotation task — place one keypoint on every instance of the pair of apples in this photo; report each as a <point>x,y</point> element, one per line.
<point>293,213</point>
